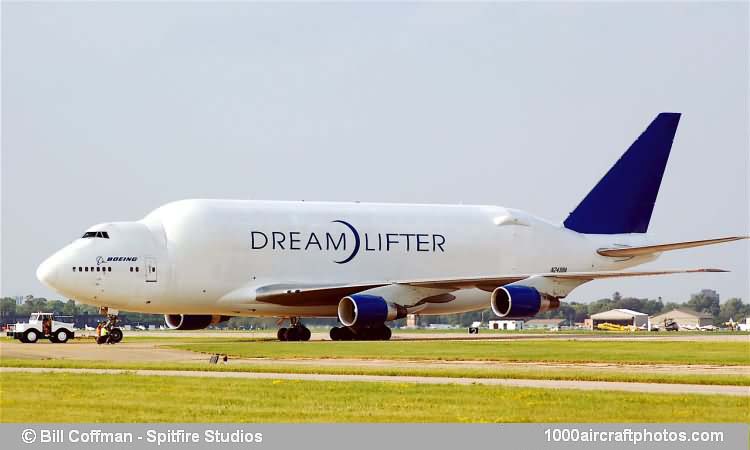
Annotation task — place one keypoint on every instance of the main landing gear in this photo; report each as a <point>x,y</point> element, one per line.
<point>296,332</point>
<point>376,332</point>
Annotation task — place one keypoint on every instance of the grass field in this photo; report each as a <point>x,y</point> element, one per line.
<point>177,399</point>
<point>559,350</point>
<point>513,373</point>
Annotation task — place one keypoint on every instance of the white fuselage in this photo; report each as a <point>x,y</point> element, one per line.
<point>209,256</point>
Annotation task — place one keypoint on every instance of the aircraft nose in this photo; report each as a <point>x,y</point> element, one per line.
<point>47,272</point>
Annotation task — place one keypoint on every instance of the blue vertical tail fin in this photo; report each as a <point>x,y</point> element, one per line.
<point>622,201</point>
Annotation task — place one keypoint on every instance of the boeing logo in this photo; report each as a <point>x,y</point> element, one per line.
<point>100,259</point>
<point>349,242</point>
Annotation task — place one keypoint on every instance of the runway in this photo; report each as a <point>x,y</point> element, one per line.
<point>152,352</point>
<point>660,388</point>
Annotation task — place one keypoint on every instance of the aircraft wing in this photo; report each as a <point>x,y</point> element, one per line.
<point>291,294</point>
<point>650,249</point>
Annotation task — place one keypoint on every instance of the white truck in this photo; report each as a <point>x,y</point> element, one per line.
<point>42,326</point>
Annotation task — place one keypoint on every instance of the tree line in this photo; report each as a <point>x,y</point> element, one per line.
<point>576,312</point>
<point>573,312</point>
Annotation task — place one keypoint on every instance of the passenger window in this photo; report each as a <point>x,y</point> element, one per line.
<point>131,269</point>
<point>80,269</point>
<point>97,269</point>
<point>153,269</point>
<point>109,269</point>
<point>74,269</point>
<point>87,269</point>
<point>137,269</point>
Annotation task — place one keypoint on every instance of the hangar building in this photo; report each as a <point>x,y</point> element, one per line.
<point>620,317</point>
<point>685,318</point>
<point>506,324</point>
<point>545,323</point>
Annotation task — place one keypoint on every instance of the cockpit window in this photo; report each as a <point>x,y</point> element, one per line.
<point>95,234</point>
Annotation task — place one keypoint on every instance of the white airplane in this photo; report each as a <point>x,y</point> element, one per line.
<point>201,261</point>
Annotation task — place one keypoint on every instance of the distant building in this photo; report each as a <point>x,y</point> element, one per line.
<point>686,319</point>
<point>544,323</point>
<point>744,326</point>
<point>441,326</point>
<point>412,321</point>
<point>19,300</point>
<point>506,324</point>
<point>620,317</point>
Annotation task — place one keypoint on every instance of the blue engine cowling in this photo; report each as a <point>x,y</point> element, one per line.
<point>363,309</point>
<point>520,302</point>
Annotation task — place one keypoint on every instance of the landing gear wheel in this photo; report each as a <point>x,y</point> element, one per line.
<point>292,334</point>
<point>347,334</point>
<point>341,334</point>
<point>115,336</point>
<point>281,334</point>
<point>296,332</point>
<point>30,337</point>
<point>385,334</point>
<point>366,334</point>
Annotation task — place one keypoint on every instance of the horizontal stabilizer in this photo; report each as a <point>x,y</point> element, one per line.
<point>651,249</point>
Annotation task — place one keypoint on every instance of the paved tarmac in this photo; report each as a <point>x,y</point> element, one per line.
<point>152,352</point>
<point>660,388</point>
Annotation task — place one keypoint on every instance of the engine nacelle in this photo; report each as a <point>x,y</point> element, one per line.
<point>363,309</point>
<point>520,302</point>
<point>192,322</point>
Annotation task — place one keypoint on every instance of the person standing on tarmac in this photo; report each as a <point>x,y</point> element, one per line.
<point>104,336</point>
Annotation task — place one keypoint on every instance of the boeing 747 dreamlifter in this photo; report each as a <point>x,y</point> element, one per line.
<point>200,262</point>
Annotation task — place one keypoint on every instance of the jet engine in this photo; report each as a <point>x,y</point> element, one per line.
<point>192,322</point>
<point>363,309</point>
<point>519,302</point>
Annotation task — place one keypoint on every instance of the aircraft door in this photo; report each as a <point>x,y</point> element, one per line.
<point>151,269</point>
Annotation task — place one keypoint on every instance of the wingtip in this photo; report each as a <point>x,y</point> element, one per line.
<point>714,270</point>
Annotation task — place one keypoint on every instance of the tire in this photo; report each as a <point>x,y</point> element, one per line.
<point>281,334</point>
<point>292,334</point>
<point>115,335</point>
<point>365,334</point>
<point>30,336</point>
<point>335,334</point>
<point>386,334</point>
<point>304,334</point>
<point>60,336</point>
<point>347,334</point>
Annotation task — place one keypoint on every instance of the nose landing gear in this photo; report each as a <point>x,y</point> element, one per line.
<point>296,332</point>
<point>376,332</point>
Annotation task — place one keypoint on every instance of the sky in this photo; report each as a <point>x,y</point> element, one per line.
<point>110,110</point>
